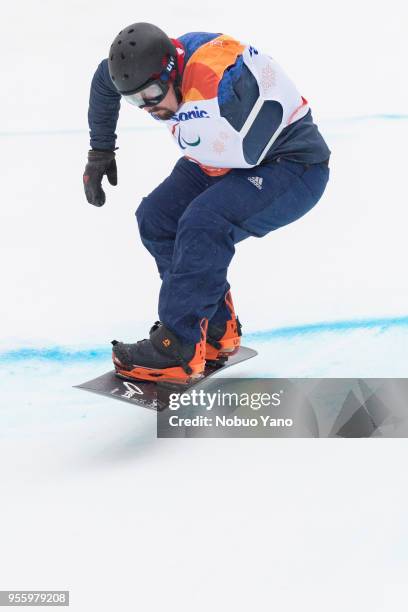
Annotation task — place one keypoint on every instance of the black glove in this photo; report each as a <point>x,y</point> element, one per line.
<point>99,163</point>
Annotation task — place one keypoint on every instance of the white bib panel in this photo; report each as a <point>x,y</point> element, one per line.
<point>206,137</point>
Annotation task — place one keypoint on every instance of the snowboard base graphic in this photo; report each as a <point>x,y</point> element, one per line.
<point>149,394</point>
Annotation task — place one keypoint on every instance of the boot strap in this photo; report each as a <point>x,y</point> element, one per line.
<point>214,343</point>
<point>166,343</point>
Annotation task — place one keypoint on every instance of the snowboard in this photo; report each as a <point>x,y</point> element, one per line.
<point>152,395</point>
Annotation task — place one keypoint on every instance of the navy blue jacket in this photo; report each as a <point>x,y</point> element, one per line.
<point>301,141</point>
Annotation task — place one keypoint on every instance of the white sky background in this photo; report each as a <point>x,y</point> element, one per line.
<point>89,497</point>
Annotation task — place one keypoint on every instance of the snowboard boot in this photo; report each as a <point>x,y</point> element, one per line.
<point>162,358</point>
<point>223,340</point>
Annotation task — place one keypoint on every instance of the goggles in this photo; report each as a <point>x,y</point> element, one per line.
<point>151,95</point>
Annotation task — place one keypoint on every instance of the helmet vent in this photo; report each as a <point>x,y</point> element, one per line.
<point>119,42</point>
<point>125,76</point>
<point>132,42</point>
<point>122,55</point>
<point>111,57</point>
<point>130,31</point>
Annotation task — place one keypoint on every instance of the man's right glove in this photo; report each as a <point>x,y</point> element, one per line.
<point>99,163</point>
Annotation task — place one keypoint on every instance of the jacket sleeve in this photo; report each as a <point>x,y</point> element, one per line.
<point>103,112</point>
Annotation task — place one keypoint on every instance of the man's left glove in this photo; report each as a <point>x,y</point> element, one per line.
<point>99,163</point>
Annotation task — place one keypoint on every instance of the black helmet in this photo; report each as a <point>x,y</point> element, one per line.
<point>137,54</point>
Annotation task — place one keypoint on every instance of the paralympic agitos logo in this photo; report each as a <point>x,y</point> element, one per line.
<point>183,144</point>
<point>196,113</point>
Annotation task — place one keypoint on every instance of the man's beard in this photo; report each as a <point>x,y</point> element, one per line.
<point>165,115</point>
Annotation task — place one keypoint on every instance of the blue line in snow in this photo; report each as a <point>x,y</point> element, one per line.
<point>382,116</point>
<point>382,324</point>
<point>63,354</point>
<point>73,131</point>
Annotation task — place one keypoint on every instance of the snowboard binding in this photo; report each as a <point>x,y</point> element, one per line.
<point>162,358</point>
<point>223,341</point>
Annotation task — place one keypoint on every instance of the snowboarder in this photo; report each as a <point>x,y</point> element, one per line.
<point>253,161</point>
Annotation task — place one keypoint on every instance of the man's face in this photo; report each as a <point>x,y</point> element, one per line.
<point>167,107</point>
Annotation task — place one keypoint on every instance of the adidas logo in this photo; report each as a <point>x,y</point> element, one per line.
<point>256,180</point>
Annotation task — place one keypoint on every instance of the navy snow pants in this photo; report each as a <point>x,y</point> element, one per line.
<point>191,222</point>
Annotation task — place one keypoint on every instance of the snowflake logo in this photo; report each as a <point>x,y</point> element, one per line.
<point>268,77</point>
<point>218,146</point>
